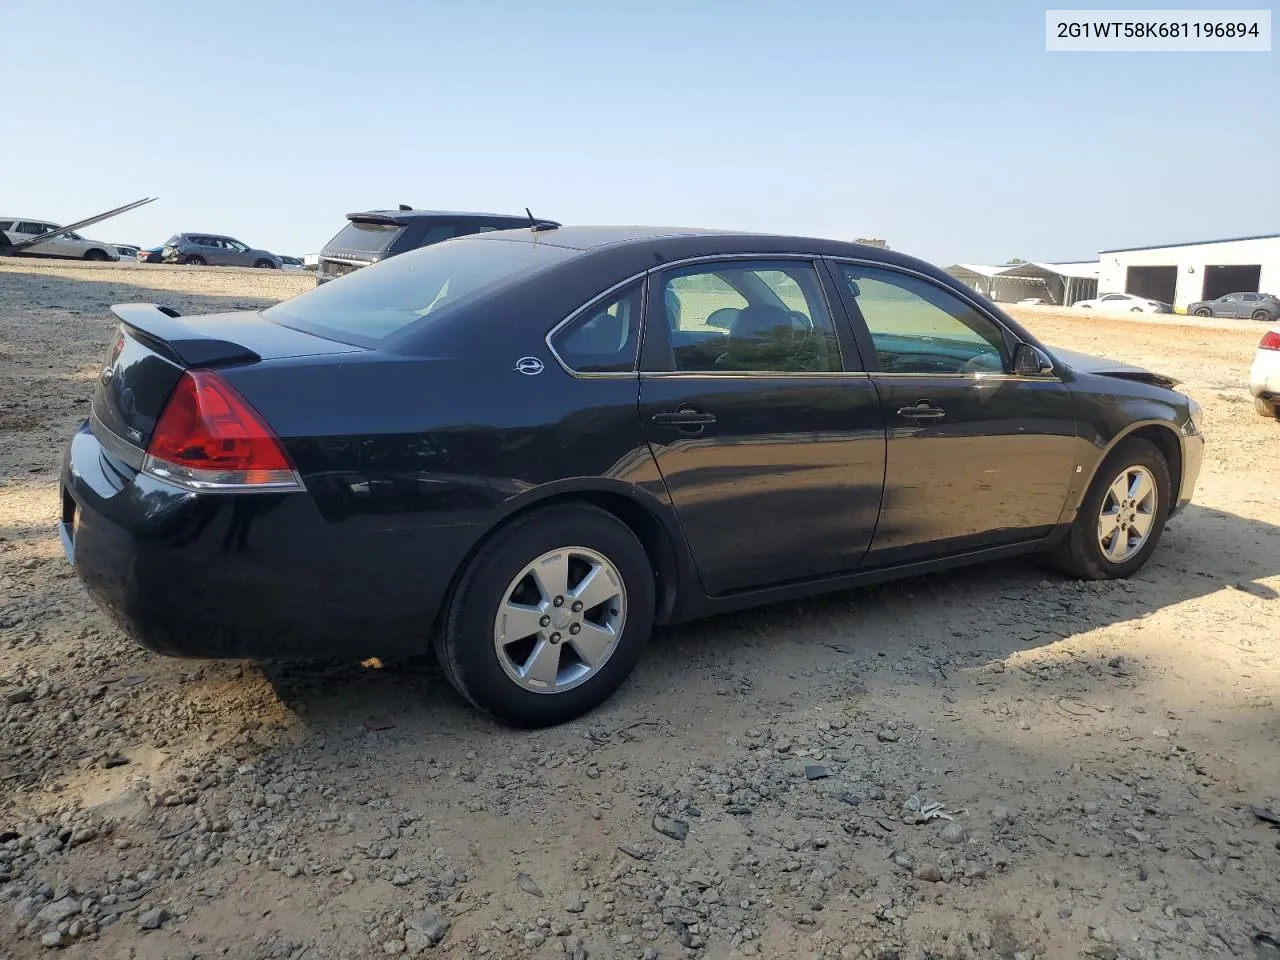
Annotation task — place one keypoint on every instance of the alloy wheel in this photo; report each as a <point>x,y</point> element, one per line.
<point>1128,513</point>
<point>560,620</point>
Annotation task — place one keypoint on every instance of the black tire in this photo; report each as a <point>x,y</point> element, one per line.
<point>265,265</point>
<point>465,644</point>
<point>1266,408</point>
<point>96,255</point>
<point>1079,554</point>
<point>1204,312</point>
<point>1135,309</point>
<point>194,261</point>
<point>1262,316</point>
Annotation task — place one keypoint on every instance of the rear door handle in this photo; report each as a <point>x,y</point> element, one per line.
<point>922,410</point>
<point>684,417</point>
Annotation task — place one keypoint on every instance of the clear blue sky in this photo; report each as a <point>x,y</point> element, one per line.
<point>944,127</point>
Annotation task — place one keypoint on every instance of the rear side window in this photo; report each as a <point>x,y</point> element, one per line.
<point>32,228</point>
<point>418,287</point>
<point>366,237</point>
<point>604,337</point>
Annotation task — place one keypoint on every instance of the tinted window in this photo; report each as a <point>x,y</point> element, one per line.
<point>604,338</point>
<point>743,316</point>
<point>1250,297</point>
<point>369,237</point>
<point>32,228</point>
<point>6,224</point>
<point>918,327</point>
<point>371,304</point>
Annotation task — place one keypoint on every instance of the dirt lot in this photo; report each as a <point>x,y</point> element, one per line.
<point>1098,745</point>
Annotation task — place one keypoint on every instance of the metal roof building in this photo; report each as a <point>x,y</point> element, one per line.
<point>1056,283</point>
<point>1183,273</point>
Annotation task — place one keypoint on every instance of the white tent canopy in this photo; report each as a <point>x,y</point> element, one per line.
<point>1057,283</point>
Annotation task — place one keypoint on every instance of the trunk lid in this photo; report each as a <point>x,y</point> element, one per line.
<point>154,345</point>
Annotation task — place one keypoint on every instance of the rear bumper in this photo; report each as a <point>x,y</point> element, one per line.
<point>251,575</point>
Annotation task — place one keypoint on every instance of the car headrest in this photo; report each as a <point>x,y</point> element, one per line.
<point>758,322</point>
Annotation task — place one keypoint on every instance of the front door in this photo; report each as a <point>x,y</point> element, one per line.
<point>772,454</point>
<point>976,456</point>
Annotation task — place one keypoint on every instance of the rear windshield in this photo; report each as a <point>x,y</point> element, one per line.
<point>369,237</point>
<point>423,285</point>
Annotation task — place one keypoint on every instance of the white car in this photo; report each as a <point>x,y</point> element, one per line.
<point>1125,303</point>
<point>70,245</point>
<point>1264,376</point>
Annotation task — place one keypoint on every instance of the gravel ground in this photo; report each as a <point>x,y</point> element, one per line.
<point>993,763</point>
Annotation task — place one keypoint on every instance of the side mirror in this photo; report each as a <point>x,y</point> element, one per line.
<point>1029,361</point>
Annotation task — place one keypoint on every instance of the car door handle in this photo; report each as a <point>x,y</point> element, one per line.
<point>922,410</point>
<point>684,417</point>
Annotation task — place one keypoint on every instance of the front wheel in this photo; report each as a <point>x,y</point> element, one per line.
<point>1135,309</point>
<point>96,255</point>
<point>1204,312</point>
<point>1266,408</point>
<point>550,616</point>
<point>265,265</point>
<point>1122,516</point>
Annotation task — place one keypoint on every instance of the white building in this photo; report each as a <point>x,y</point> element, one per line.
<point>1184,273</point>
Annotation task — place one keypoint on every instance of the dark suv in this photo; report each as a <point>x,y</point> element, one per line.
<point>378,234</point>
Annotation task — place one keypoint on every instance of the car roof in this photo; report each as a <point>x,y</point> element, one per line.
<point>6,216</point>
<point>611,254</point>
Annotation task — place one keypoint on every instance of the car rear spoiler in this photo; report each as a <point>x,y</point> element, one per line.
<point>383,219</point>
<point>161,329</point>
<point>88,222</point>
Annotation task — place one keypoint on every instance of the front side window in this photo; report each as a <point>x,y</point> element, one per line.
<point>918,327</point>
<point>605,337</point>
<point>749,317</point>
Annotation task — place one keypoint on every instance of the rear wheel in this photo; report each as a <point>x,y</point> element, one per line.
<point>1262,316</point>
<point>1122,516</point>
<point>195,261</point>
<point>550,616</point>
<point>1204,312</point>
<point>95,255</point>
<point>1266,408</point>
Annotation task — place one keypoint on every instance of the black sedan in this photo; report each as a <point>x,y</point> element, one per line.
<point>525,449</point>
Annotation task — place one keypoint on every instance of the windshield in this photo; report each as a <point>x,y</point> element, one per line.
<point>425,284</point>
<point>369,237</point>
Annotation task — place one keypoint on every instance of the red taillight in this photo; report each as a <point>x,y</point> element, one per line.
<point>1270,341</point>
<point>209,438</point>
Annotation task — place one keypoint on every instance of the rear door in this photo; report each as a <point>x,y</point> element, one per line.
<point>976,456</point>
<point>768,435</point>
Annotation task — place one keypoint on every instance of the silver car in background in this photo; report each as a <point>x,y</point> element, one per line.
<point>217,250</point>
